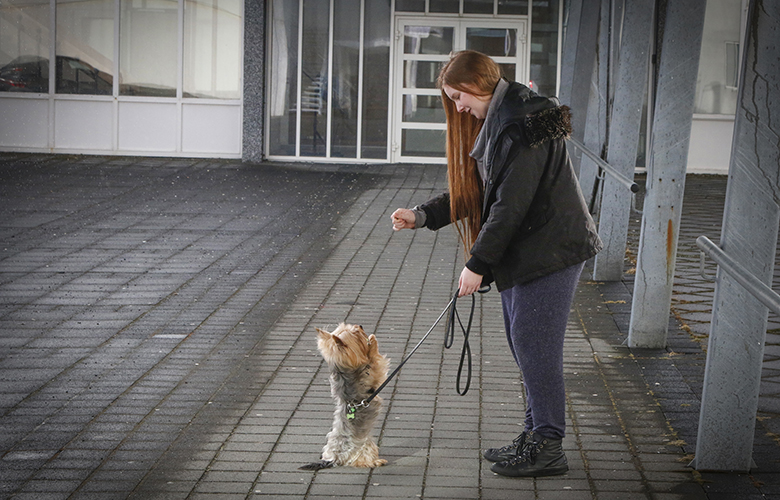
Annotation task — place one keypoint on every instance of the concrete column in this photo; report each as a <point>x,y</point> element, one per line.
<point>671,130</point>
<point>569,53</point>
<point>254,80</point>
<point>584,60</point>
<point>624,137</point>
<point>595,134</point>
<point>750,228</point>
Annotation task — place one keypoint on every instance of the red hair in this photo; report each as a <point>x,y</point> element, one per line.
<point>477,74</point>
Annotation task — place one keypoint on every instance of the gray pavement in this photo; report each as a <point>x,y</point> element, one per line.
<point>157,341</point>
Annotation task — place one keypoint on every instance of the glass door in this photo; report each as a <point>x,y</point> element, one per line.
<point>422,47</point>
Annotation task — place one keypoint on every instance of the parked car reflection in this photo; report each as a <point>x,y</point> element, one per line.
<point>74,76</point>
<point>25,74</point>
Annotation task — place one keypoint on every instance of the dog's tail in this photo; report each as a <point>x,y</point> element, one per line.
<point>322,464</point>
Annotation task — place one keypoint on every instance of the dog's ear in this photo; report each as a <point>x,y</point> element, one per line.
<point>373,347</point>
<point>322,333</point>
<point>324,336</point>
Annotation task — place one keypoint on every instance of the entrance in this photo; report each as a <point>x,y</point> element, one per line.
<point>422,46</point>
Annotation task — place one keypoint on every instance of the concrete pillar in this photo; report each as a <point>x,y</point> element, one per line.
<point>671,130</point>
<point>584,60</point>
<point>750,228</point>
<point>569,52</point>
<point>254,80</point>
<point>623,140</point>
<point>595,133</point>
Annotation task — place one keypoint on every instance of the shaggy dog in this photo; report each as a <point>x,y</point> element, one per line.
<point>356,371</point>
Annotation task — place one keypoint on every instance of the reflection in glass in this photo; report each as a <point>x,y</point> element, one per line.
<point>283,93</point>
<point>478,7</point>
<point>85,47</point>
<point>408,5</point>
<point>492,41</point>
<point>212,48</point>
<point>544,49</point>
<point>448,6</point>
<point>376,62</point>
<point>716,84</point>
<point>514,7</point>
<point>24,46</point>
<point>346,40</point>
<point>148,55</point>
<point>428,143</point>
<point>423,108</point>
<point>421,74</point>
<point>314,77</point>
<point>428,40</point>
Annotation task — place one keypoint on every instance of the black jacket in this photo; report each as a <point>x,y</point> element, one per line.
<point>534,219</point>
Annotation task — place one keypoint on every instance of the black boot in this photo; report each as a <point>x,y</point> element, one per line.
<point>507,452</point>
<point>541,457</point>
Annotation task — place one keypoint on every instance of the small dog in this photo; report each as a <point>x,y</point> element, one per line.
<point>356,371</point>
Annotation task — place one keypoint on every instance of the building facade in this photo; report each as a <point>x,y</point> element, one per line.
<point>293,80</point>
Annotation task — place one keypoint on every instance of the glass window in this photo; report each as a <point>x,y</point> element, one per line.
<point>148,54</point>
<point>430,143</point>
<point>492,41</point>
<point>346,41</point>
<point>85,47</point>
<point>544,48</point>
<point>423,108</point>
<point>716,92</point>
<point>516,7</point>
<point>478,7</point>
<point>314,77</point>
<point>449,6</point>
<point>24,46</point>
<point>508,71</point>
<point>421,74</point>
<point>376,63</point>
<point>428,40</point>
<point>408,5</point>
<point>212,49</point>
<point>283,93</point>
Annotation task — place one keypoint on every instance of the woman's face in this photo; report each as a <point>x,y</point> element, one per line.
<point>470,103</point>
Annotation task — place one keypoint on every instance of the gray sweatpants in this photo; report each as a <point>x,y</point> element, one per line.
<point>535,315</point>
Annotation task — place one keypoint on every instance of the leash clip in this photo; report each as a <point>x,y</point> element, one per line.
<point>353,407</point>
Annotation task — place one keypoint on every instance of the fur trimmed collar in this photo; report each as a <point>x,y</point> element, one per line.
<point>540,118</point>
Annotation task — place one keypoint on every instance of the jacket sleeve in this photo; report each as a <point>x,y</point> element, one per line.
<point>508,217</point>
<point>437,212</point>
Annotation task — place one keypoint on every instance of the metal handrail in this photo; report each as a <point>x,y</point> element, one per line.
<point>633,186</point>
<point>752,284</point>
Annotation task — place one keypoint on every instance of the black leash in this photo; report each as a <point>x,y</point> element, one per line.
<point>448,341</point>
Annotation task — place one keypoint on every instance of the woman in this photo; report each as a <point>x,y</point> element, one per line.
<point>519,211</point>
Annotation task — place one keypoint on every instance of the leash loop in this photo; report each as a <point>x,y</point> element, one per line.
<point>449,340</point>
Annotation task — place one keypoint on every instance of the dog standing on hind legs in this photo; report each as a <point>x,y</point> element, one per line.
<point>356,371</point>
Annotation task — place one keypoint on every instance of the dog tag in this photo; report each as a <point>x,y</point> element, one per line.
<point>351,413</point>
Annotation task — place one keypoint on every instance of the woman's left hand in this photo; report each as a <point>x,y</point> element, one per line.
<point>469,282</point>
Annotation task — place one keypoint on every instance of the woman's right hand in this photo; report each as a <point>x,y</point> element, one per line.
<point>403,218</point>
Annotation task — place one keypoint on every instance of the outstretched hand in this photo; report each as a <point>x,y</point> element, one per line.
<point>403,218</point>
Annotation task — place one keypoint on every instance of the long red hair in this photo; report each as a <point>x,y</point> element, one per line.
<point>477,74</point>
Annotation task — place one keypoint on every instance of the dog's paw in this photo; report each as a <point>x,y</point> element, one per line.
<point>369,462</point>
<point>322,464</point>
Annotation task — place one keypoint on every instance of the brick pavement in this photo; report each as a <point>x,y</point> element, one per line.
<point>157,341</point>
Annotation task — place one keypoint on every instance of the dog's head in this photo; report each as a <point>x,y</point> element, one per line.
<point>347,347</point>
